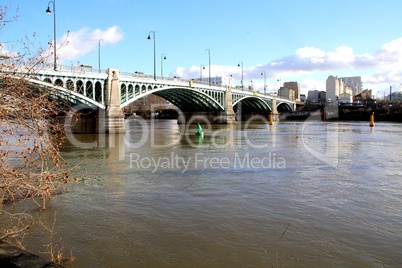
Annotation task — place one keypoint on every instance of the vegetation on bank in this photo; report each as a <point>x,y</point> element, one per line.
<point>32,170</point>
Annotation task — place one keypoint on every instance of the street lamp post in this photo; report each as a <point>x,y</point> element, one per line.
<point>265,82</point>
<point>201,68</point>
<point>99,54</point>
<point>241,64</point>
<point>48,11</point>
<point>149,38</point>
<point>163,57</point>
<point>209,63</point>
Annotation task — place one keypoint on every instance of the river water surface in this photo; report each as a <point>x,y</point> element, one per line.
<point>160,196</point>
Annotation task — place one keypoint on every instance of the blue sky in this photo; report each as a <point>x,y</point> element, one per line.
<point>291,40</point>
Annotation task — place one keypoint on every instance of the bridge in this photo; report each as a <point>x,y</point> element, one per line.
<point>111,91</point>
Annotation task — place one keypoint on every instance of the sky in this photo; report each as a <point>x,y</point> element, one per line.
<point>290,40</point>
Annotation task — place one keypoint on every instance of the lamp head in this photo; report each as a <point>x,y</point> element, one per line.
<point>48,11</point>
<point>164,57</point>
<point>238,65</point>
<point>149,37</point>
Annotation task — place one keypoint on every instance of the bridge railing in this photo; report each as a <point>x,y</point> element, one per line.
<point>36,66</point>
<point>82,68</point>
<point>89,69</point>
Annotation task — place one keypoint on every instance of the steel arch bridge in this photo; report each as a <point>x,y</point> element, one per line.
<point>80,84</point>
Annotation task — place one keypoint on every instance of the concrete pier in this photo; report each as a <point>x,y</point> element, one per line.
<point>113,119</point>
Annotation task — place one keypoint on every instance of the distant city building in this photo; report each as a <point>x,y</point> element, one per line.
<point>295,87</point>
<point>366,94</point>
<point>395,96</point>
<point>334,87</point>
<point>218,80</point>
<point>286,93</point>
<point>345,98</point>
<point>364,98</point>
<point>322,97</point>
<point>347,90</point>
<point>313,96</point>
<point>355,83</point>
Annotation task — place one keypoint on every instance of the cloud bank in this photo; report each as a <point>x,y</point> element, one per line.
<point>382,66</point>
<point>86,40</point>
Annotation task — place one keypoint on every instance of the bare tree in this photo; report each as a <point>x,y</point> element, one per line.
<point>31,133</point>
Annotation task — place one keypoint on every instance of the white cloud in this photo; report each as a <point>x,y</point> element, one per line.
<point>77,44</point>
<point>342,54</point>
<point>314,54</point>
<point>382,66</point>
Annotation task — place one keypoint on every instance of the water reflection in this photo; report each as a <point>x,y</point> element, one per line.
<point>122,214</point>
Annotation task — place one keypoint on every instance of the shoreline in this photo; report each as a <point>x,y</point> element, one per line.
<point>344,114</point>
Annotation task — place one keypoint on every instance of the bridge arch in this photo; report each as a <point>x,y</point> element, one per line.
<point>70,84</point>
<point>59,82</point>
<point>252,104</point>
<point>99,92</point>
<point>284,107</point>
<point>123,92</point>
<point>186,99</point>
<point>79,87</point>
<point>130,91</point>
<point>89,89</point>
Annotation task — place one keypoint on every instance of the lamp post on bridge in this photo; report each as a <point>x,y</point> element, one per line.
<point>99,54</point>
<point>241,64</point>
<point>48,11</point>
<point>202,67</point>
<point>163,57</point>
<point>265,82</point>
<point>209,63</point>
<point>149,38</point>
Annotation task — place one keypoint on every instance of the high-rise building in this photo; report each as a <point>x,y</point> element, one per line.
<point>287,93</point>
<point>355,82</point>
<point>313,96</point>
<point>334,87</point>
<point>295,87</point>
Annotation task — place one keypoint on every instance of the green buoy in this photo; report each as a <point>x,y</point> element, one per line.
<point>199,130</point>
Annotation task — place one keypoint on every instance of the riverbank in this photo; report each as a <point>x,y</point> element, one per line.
<point>344,113</point>
<point>12,256</point>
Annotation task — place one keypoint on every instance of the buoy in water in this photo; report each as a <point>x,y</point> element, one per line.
<point>199,130</point>
<point>372,124</point>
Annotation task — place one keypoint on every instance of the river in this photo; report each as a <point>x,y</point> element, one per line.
<point>160,196</point>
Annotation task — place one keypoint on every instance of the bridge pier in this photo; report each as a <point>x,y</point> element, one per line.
<point>228,116</point>
<point>112,121</point>
<point>275,114</point>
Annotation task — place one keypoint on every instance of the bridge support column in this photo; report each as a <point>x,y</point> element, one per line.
<point>113,119</point>
<point>275,114</point>
<point>228,116</point>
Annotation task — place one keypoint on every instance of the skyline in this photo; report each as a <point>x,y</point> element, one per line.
<point>291,41</point>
